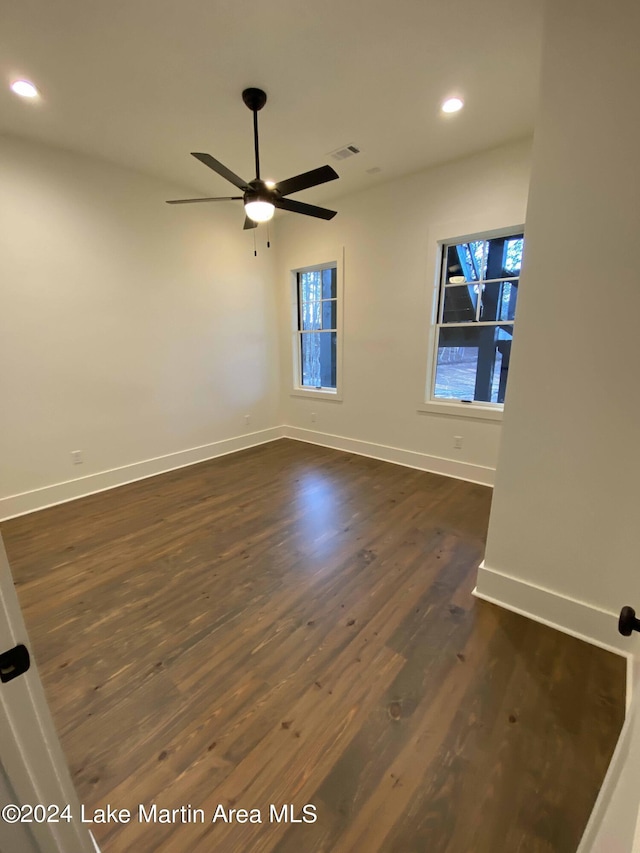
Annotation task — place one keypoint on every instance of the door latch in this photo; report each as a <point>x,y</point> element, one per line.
<point>13,663</point>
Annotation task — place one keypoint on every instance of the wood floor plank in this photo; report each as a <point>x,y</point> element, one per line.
<point>289,625</point>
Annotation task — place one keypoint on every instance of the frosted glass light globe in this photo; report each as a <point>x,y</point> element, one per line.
<point>259,211</point>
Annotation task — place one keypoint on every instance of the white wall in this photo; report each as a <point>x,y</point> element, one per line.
<point>389,234</point>
<point>141,334</point>
<point>564,537</point>
<point>129,329</point>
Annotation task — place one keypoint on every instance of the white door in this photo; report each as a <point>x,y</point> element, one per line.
<point>614,825</point>
<point>33,770</point>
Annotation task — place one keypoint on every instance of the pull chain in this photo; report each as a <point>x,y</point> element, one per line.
<point>268,243</point>
<point>255,251</point>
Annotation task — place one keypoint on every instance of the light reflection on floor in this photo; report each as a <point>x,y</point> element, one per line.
<point>317,497</point>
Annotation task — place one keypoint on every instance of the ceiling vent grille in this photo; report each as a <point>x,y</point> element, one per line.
<point>344,152</point>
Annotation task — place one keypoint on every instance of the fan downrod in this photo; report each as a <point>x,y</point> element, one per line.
<point>255,99</point>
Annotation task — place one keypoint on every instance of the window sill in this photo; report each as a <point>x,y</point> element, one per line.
<point>462,410</point>
<point>317,394</point>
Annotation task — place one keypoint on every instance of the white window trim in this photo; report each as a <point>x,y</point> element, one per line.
<point>318,261</point>
<point>487,226</point>
<point>478,411</point>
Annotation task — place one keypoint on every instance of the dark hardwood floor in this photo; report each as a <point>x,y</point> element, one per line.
<point>292,624</point>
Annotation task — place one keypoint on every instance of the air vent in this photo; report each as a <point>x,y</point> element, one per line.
<point>344,152</point>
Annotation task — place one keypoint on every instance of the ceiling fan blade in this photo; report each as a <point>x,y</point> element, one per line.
<point>197,200</point>
<point>212,163</point>
<point>301,207</point>
<point>306,180</point>
<point>249,223</point>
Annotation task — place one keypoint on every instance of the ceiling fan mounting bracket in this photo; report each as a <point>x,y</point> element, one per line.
<point>255,99</point>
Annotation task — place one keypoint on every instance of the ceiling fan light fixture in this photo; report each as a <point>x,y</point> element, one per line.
<point>261,197</point>
<point>259,210</point>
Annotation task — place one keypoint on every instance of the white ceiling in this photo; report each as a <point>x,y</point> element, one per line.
<point>144,82</point>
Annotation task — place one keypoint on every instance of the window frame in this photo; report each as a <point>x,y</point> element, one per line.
<point>476,409</point>
<point>332,260</point>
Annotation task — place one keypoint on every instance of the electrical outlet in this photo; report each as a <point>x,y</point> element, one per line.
<point>457,442</point>
<point>76,457</point>
<point>247,419</point>
<point>313,417</point>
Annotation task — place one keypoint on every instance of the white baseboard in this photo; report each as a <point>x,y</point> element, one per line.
<point>577,618</point>
<point>409,458</point>
<point>57,493</point>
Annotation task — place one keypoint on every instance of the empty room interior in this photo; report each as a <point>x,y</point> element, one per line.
<point>319,498</point>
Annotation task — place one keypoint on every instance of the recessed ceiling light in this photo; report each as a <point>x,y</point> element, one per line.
<point>452,105</point>
<point>24,88</point>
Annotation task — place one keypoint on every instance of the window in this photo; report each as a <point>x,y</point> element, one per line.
<point>317,328</point>
<point>478,295</point>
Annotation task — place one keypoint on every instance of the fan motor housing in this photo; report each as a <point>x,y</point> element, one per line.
<point>257,190</point>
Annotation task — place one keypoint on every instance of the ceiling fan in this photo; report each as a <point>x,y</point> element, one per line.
<point>260,199</point>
